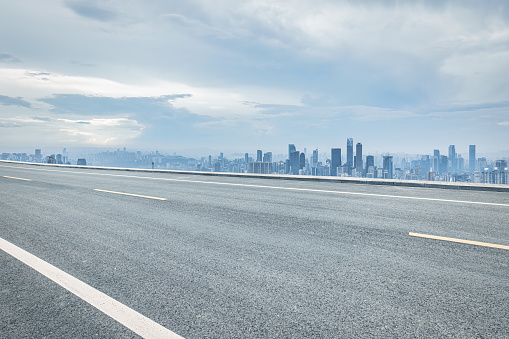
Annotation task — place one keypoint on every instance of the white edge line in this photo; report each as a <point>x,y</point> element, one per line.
<point>278,187</point>
<point>126,316</point>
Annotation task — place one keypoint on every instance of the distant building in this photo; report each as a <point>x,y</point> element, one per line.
<point>388,167</point>
<point>267,157</point>
<point>259,155</point>
<point>315,157</point>
<point>370,166</point>
<point>82,162</point>
<point>452,158</point>
<point>471,158</point>
<point>358,159</point>
<point>295,162</point>
<point>302,161</point>
<point>260,167</point>
<point>335,156</point>
<point>38,155</point>
<point>349,152</point>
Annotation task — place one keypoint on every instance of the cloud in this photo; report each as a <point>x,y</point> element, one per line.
<point>8,124</point>
<point>98,105</point>
<point>503,123</point>
<point>9,58</point>
<point>90,10</point>
<point>7,101</point>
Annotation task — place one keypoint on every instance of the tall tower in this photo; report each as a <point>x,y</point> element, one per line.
<point>335,156</point>
<point>295,162</point>
<point>471,158</point>
<point>315,157</point>
<point>387,171</point>
<point>452,158</point>
<point>349,154</point>
<point>259,155</point>
<point>358,158</point>
<point>291,149</point>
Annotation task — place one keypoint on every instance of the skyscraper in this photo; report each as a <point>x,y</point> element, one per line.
<point>358,158</point>
<point>388,167</point>
<point>246,158</point>
<point>452,158</point>
<point>349,155</point>
<point>349,151</point>
<point>291,149</point>
<point>295,162</point>
<point>259,155</point>
<point>335,156</point>
<point>38,155</point>
<point>471,158</point>
<point>315,157</point>
<point>302,161</point>
<point>267,157</point>
<point>436,161</point>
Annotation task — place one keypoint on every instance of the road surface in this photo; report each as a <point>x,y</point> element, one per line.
<point>225,257</point>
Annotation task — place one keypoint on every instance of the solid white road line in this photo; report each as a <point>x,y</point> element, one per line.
<point>5,176</point>
<point>126,316</point>
<point>470,242</point>
<point>130,194</point>
<point>274,187</point>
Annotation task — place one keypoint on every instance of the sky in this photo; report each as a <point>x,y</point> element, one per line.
<point>236,76</point>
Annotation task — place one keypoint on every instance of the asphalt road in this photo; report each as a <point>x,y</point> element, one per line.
<point>251,258</point>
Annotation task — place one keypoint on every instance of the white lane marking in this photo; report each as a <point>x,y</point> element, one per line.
<point>274,187</point>
<point>5,176</point>
<point>126,316</point>
<point>462,241</point>
<point>129,194</point>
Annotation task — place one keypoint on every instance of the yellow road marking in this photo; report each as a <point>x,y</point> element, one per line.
<point>132,195</point>
<point>470,242</point>
<point>5,176</point>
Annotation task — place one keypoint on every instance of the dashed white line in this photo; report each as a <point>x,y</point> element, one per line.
<point>126,316</point>
<point>5,176</point>
<point>277,187</point>
<point>130,194</point>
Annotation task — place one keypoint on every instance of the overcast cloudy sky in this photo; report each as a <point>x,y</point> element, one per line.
<point>398,76</point>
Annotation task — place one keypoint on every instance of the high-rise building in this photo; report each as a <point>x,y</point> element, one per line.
<point>370,161</point>
<point>436,161</point>
<point>442,164</point>
<point>335,156</point>
<point>388,167</point>
<point>38,155</point>
<point>471,158</point>
<point>315,157</point>
<point>452,158</point>
<point>358,158</point>
<point>267,157</point>
<point>295,162</point>
<point>349,151</point>
<point>291,149</point>
<point>302,161</point>
<point>246,158</point>
<point>259,155</point>
<point>349,155</point>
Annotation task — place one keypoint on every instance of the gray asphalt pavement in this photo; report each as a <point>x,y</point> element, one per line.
<point>251,258</point>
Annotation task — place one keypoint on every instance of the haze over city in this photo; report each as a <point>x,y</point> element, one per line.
<point>230,77</point>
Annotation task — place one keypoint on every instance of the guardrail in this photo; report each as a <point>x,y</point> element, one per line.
<point>349,180</point>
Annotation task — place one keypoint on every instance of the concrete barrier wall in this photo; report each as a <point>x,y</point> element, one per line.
<point>348,180</point>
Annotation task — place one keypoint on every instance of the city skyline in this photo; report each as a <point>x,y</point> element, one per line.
<point>406,77</point>
<point>436,167</point>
